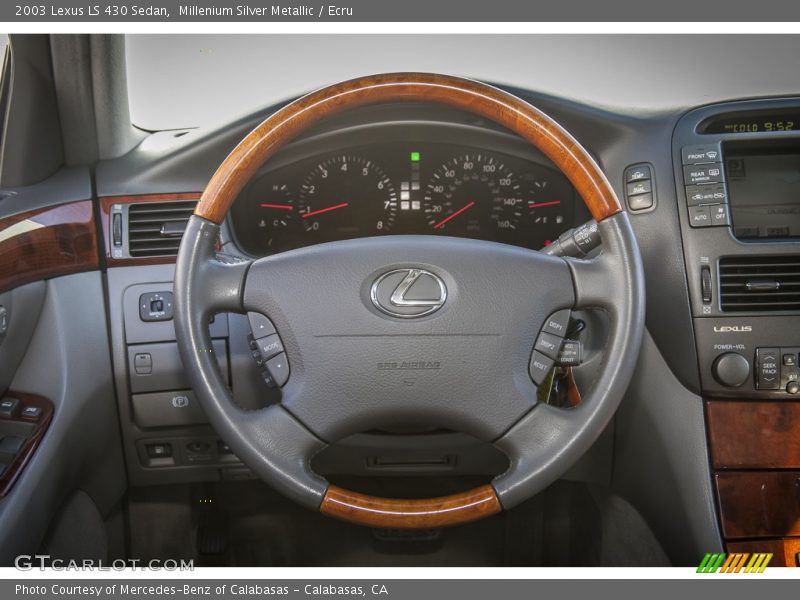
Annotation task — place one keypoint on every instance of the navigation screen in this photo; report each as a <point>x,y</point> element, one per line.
<point>764,191</point>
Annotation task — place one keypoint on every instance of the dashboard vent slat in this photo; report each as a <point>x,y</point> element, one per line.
<point>760,284</point>
<point>154,227</point>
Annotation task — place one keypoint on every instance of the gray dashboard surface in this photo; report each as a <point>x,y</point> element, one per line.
<point>211,77</point>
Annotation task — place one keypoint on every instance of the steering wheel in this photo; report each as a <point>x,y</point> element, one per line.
<point>363,355</point>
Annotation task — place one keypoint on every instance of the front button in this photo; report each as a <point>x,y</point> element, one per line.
<point>539,367</point>
<point>548,344</point>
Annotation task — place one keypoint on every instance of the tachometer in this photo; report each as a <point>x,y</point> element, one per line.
<point>473,195</point>
<point>347,196</point>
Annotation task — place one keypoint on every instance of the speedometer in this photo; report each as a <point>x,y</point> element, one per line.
<point>473,195</point>
<point>347,196</point>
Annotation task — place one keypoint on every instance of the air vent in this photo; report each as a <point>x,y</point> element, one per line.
<point>155,228</point>
<point>760,284</point>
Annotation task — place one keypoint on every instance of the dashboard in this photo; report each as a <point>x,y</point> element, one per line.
<point>435,179</point>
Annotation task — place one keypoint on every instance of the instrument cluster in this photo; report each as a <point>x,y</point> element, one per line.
<point>405,188</point>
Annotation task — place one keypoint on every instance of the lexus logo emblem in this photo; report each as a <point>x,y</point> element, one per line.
<point>408,293</point>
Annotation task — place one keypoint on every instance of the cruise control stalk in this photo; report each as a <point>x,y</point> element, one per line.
<point>576,243</point>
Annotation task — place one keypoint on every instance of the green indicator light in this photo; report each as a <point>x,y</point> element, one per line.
<point>415,157</point>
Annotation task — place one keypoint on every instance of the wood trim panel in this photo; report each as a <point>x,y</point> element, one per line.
<point>12,472</point>
<point>751,435</point>
<point>756,504</point>
<point>786,552</point>
<point>475,97</point>
<point>47,242</point>
<point>106,202</point>
<point>444,511</point>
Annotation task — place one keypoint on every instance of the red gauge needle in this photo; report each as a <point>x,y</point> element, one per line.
<point>323,210</point>
<point>541,204</point>
<point>455,214</point>
<point>280,206</point>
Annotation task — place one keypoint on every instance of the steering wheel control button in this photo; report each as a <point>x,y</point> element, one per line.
<point>548,344</point>
<point>269,346</point>
<point>260,325</point>
<point>557,323</point>
<point>539,367</point>
<point>156,306</point>
<point>570,354</point>
<point>768,376</point>
<point>408,293</point>
<point>277,371</point>
<point>731,369</point>
<point>9,408</point>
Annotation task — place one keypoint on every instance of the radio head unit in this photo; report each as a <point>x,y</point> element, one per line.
<point>763,188</point>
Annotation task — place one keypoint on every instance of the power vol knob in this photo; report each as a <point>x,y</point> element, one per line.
<point>731,369</point>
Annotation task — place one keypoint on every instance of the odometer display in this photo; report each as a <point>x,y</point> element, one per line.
<point>753,123</point>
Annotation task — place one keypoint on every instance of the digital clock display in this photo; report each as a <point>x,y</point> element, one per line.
<point>753,123</point>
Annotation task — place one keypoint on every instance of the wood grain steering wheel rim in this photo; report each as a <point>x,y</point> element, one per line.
<point>475,97</point>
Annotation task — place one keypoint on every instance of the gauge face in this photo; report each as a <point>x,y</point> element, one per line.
<point>549,204</point>
<point>473,195</point>
<point>274,213</point>
<point>347,196</point>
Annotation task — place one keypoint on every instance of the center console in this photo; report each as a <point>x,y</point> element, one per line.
<point>738,180</point>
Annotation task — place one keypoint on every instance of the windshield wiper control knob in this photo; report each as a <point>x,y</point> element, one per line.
<point>576,243</point>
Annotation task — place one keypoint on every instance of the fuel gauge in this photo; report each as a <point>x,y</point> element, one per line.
<point>549,205</point>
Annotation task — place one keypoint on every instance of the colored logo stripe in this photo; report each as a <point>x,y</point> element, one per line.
<point>734,563</point>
